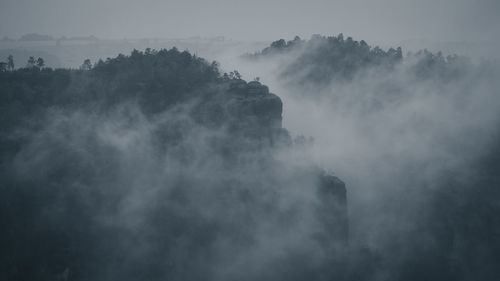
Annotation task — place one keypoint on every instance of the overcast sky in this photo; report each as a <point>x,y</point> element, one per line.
<point>374,20</point>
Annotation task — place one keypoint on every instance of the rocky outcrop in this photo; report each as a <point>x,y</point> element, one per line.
<point>333,210</point>
<point>256,108</point>
<point>252,103</point>
<point>246,110</point>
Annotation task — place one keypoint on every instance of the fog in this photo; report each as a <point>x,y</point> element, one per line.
<point>163,166</point>
<point>409,147</point>
<point>381,22</point>
<point>180,213</point>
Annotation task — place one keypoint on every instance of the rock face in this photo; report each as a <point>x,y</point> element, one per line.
<point>255,108</point>
<point>247,112</point>
<point>252,103</point>
<point>332,192</point>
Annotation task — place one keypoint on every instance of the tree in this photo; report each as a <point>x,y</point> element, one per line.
<point>3,66</point>
<point>40,63</point>
<point>87,65</point>
<point>279,44</point>
<point>31,62</point>
<point>234,75</point>
<point>295,41</point>
<point>10,62</point>
<point>237,75</point>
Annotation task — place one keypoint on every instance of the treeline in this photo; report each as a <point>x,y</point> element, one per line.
<point>324,59</point>
<point>165,74</point>
<point>332,56</point>
<point>33,63</point>
<point>156,81</point>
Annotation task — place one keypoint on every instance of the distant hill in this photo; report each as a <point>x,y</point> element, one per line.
<point>36,37</point>
<point>323,60</point>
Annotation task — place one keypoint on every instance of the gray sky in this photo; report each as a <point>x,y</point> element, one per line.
<point>375,20</point>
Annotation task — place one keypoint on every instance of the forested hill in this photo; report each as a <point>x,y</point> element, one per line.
<point>156,81</point>
<point>155,166</point>
<point>325,59</point>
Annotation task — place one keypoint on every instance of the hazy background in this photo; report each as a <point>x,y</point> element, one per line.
<point>385,22</point>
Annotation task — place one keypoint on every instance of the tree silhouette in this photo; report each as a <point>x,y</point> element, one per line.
<point>10,62</point>
<point>234,75</point>
<point>40,63</point>
<point>279,44</point>
<point>87,65</point>
<point>31,62</point>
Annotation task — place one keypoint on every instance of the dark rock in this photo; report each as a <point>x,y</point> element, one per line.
<point>256,88</point>
<point>264,111</point>
<point>333,210</point>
